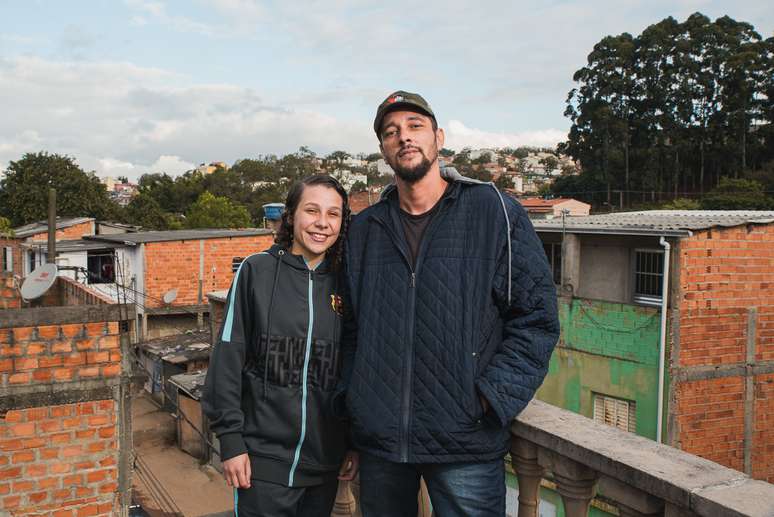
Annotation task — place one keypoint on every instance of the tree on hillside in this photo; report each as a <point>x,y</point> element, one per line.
<point>337,157</point>
<point>143,210</point>
<point>216,212</point>
<point>24,190</point>
<point>676,108</point>
<point>6,230</point>
<point>550,163</point>
<point>737,194</point>
<point>444,152</point>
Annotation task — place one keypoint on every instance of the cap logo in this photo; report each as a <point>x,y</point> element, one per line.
<point>396,98</point>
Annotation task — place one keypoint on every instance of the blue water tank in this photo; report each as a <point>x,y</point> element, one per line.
<point>273,211</point>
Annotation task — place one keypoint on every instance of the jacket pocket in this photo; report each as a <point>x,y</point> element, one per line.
<point>272,424</point>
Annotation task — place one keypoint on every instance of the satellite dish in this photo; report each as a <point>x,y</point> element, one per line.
<point>39,281</point>
<point>170,296</point>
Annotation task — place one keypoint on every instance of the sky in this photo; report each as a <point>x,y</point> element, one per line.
<point>136,86</point>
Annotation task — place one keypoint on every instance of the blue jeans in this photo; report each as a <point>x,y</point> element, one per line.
<point>390,489</point>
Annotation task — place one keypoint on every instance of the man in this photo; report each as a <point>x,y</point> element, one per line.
<point>452,323</point>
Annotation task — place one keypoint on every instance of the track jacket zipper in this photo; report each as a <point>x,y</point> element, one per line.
<point>304,387</point>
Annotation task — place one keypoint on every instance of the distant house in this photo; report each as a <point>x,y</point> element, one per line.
<point>539,208</point>
<point>166,273</point>
<point>693,288</point>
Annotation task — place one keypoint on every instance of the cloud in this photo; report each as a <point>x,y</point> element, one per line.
<point>458,136</point>
<point>122,119</point>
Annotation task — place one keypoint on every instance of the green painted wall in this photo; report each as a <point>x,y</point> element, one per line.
<point>606,348</point>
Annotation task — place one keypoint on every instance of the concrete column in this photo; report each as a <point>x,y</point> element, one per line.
<point>524,458</point>
<point>749,389</point>
<point>570,265</point>
<point>200,294</point>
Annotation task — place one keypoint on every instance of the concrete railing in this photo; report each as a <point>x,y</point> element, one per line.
<point>582,459</point>
<point>640,476</point>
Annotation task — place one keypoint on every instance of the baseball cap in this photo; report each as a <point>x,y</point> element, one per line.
<point>398,100</point>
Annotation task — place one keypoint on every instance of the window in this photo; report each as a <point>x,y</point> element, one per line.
<point>648,275</point>
<point>7,259</point>
<point>101,267</point>
<point>554,254</point>
<point>32,260</point>
<point>235,263</point>
<point>615,412</point>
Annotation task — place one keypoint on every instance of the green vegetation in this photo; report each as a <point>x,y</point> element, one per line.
<point>674,110</point>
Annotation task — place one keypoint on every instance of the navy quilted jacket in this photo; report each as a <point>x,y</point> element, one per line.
<point>421,345</point>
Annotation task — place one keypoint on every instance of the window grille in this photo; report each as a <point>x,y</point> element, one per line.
<point>615,412</point>
<point>235,263</point>
<point>648,276</point>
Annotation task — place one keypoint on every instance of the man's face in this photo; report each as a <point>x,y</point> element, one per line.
<point>410,144</point>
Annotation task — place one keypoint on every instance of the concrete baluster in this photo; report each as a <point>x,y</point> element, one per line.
<point>524,458</point>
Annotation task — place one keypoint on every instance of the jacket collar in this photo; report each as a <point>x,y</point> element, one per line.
<point>296,261</point>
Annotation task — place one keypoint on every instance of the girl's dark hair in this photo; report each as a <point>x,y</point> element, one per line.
<point>285,233</point>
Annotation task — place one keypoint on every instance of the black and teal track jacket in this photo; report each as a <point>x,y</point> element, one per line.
<point>274,368</point>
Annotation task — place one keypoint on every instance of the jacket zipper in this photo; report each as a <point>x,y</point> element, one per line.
<point>297,455</point>
<point>407,381</point>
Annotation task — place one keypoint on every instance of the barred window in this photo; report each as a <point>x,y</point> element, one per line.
<point>235,263</point>
<point>615,412</point>
<point>648,276</point>
<point>554,254</point>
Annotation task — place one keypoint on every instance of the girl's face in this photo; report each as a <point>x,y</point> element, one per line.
<point>316,222</point>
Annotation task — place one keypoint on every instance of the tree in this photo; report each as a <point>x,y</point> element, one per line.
<point>338,157</point>
<point>24,190</point>
<point>210,211</point>
<point>549,162</point>
<point>503,182</point>
<point>5,228</point>
<point>446,153</point>
<point>374,157</point>
<point>143,210</point>
<point>358,186</point>
<point>737,194</point>
<point>123,179</point>
<point>682,203</point>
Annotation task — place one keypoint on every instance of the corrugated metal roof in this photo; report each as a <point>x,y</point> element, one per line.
<point>177,235</point>
<point>74,245</point>
<point>42,226</point>
<point>656,222</point>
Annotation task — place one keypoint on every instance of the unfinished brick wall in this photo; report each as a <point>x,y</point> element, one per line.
<point>175,264</point>
<point>16,253</point>
<point>727,284</point>
<point>59,459</point>
<point>75,231</point>
<point>9,295</point>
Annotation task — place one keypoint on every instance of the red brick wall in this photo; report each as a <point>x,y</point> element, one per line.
<point>61,457</point>
<point>73,232</point>
<point>711,420</point>
<point>175,264</point>
<point>52,353</point>
<point>9,295</point>
<point>17,253</point>
<point>724,272</point>
<point>59,460</point>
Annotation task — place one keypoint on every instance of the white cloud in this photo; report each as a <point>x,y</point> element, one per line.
<point>121,119</point>
<point>458,135</point>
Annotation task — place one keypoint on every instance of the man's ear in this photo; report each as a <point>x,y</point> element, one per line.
<point>440,138</point>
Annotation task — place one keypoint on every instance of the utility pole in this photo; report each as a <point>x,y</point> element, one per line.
<point>51,255</point>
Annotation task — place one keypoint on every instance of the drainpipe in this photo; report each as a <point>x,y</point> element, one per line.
<point>662,340</point>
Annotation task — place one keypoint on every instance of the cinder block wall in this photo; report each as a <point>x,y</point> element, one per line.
<point>724,391</point>
<point>175,264</point>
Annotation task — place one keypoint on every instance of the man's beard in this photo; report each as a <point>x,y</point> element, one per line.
<point>414,173</point>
